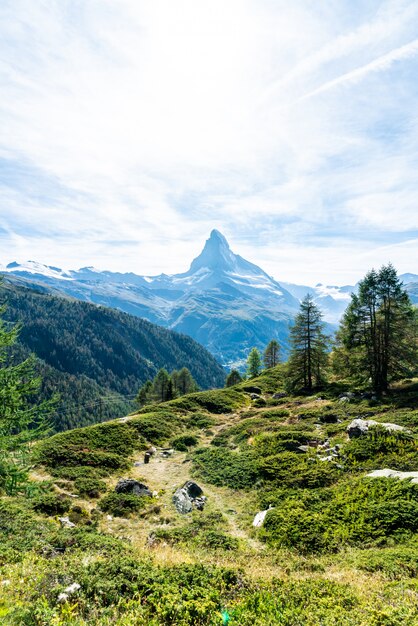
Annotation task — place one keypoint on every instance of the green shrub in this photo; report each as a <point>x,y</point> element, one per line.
<point>215,401</point>
<point>380,448</point>
<point>80,471</point>
<point>216,540</point>
<point>90,487</point>
<point>200,420</point>
<point>362,512</point>
<point>50,503</point>
<point>158,427</point>
<point>104,445</point>
<point>122,504</point>
<point>184,442</point>
<point>219,466</point>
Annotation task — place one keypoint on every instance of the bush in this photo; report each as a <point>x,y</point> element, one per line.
<point>104,445</point>
<point>157,427</point>
<point>380,448</point>
<point>122,504</point>
<point>362,512</point>
<point>90,487</point>
<point>51,503</point>
<point>219,466</point>
<point>200,420</point>
<point>184,442</point>
<point>80,471</point>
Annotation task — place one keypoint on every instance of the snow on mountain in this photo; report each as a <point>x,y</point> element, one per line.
<point>223,301</point>
<point>38,269</point>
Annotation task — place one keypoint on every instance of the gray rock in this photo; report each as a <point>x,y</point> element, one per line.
<point>254,396</point>
<point>359,427</point>
<point>188,497</point>
<point>260,517</point>
<point>66,523</point>
<point>129,485</point>
<point>388,473</point>
<point>344,399</point>
<point>277,396</point>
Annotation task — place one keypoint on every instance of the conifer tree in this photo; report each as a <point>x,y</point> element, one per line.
<point>309,345</point>
<point>183,382</point>
<point>162,388</point>
<point>254,363</point>
<point>21,418</point>
<point>233,378</point>
<point>271,355</point>
<point>145,393</point>
<point>377,339</point>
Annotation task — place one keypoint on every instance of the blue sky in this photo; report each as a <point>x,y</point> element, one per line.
<point>130,129</point>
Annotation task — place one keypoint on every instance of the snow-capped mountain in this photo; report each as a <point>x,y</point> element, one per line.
<point>223,301</point>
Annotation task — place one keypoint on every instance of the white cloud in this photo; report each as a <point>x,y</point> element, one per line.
<point>148,123</point>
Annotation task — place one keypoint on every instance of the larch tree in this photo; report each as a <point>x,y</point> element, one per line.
<point>233,378</point>
<point>309,348</point>
<point>377,339</point>
<point>254,363</point>
<point>271,355</point>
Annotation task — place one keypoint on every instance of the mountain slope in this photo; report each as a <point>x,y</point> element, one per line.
<point>336,546</point>
<point>223,301</point>
<point>88,352</point>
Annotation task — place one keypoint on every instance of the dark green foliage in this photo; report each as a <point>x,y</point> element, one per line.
<point>122,504</point>
<point>220,466</point>
<point>156,427</point>
<point>295,470</point>
<point>379,448</point>
<point>362,512</point>
<point>271,355</point>
<point>23,417</point>
<point>183,382</point>
<point>79,471</point>
<point>200,420</point>
<point>51,503</point>
<point>184,442</point>
<point>378,334</point>
<point>395,563</point>
<point>254,363</point>
<point>308,356</point>
<point>90,487</point>
<point>97,358</point>
<point>104,445</point>
<point>233,378</point>
<point>291,603</point>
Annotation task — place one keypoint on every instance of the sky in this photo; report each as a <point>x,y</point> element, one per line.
<point>131,128</point>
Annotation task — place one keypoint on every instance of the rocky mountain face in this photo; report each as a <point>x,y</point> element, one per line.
<point>223,301</point>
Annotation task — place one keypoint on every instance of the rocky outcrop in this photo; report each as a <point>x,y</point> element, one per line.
<point>129,485</point>
<point>189,497</point>
<point>389,473</point>
<point>359,427</point>
<point>260,517</point>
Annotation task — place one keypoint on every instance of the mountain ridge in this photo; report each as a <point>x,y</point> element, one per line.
<point>223,301</point>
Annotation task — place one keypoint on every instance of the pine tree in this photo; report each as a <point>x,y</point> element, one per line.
<point>144,395</point>
<point>377,339</point>
<point>183,382</point>
<point>21,418</point>
<point>309,345</point>
<point>233,378</point>
<point>254,363</point>
<point>162,388</point>
<point>271,355</point>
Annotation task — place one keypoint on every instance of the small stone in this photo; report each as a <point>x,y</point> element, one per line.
<point>66,523</point>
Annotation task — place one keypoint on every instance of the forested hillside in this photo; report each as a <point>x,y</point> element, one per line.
<point>97,358</point>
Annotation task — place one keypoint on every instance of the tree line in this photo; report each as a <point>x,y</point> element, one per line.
<point>375,345</point>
